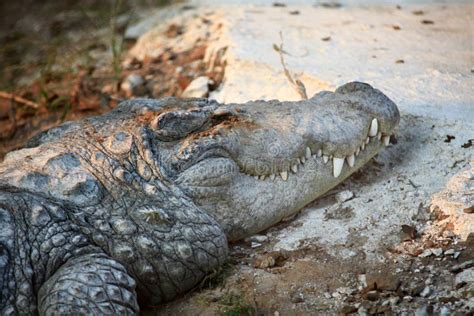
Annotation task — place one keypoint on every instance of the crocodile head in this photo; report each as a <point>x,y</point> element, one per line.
<point>250,165</point>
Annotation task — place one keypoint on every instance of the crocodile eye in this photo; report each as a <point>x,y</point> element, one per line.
<point>175,125</point>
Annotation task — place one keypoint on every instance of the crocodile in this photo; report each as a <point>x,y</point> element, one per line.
<point>135,207</point>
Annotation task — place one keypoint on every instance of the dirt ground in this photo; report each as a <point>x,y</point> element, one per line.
<point>396,238</point>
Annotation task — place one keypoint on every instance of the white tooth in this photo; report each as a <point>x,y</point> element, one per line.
<point>308,153</point>
<point>262,177</point>
<point>357,151</point>
<point>320,152</point>
<point>374,127</point>
<point>379,136</point>
<point>294,168</point>
<point>351,160</point>
<point>272,176</point>
<point>284,175</point>
<point>303,159</point>
<point>298,160</point>
<point>337,164</point>
<point>367,140</point>
<point>362,147</point>
<point>255,177</point>
<point>325,159</point>
<point>386,140</point>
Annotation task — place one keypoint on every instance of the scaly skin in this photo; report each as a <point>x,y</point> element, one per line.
<point>136,206</point>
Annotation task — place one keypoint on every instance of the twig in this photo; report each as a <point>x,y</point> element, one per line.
<point>18,99</point>
<point>296,84</point>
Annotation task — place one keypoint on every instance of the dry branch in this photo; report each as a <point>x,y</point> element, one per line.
<point>296,84</point>
<point>18,99</point>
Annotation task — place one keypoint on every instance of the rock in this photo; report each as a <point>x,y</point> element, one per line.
<point>459,267</point>
<point>464,277</point>
<point>457,254</point>
<point>297,297</point>
<point>373,296</point>
<point>362,311</point>
<point>426,292</point>
<point>437,252</point>
<point>444,311</point>
<point>422,311</point>
<point>255,245</point>
<point>348,309</point>
<point>394,300</point>
<point>198,88</point>
<point>426,253</point>
<point>416,290</point>
<point>449,252</point>
<point>133,85</point>
<point>346,290</point>
<point>259,238</point>
<point>264,262</point>
<point>344,196</point>
<point>362,278</point>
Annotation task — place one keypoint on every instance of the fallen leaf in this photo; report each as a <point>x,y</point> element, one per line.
<point>427,22</point>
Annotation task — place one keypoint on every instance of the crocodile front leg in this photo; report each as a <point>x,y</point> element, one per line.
<point>92,284</point>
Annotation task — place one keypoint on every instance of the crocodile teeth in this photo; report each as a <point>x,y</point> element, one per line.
<point>272,176</point>
<point>255,177</point>
<point>294,168</point>
<point>362,147</point>
<point>262,177</point>
<point>303,160</point>
<point>325,159</point>
<point>308,153</point>
<point>367,140</point>
<point>337,164</point>
<point>351,160</point>
<point>386,140</point>
<point>379,136</point>
<point>284,175</point>
<point>320,153</point>
<point>357,151</point>
<point>374,127</point>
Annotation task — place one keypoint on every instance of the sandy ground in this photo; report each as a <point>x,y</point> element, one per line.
<point>422,57</point>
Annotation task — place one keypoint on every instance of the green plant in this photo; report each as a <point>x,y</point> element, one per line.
<point>235,305</point>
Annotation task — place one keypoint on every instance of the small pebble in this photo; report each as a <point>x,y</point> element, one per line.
<point>259,238</point>
<point>437,252</point>
<point>426,292</point>
<point>255,245</point>
<point>444,311</point>
<point>449,252</point>
<point>426,253</point>
<point>373,296</point>
<point>344,196</point>
<point>421,311</point>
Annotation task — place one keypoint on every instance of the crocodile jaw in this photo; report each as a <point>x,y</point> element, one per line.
<point>253,188</point>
